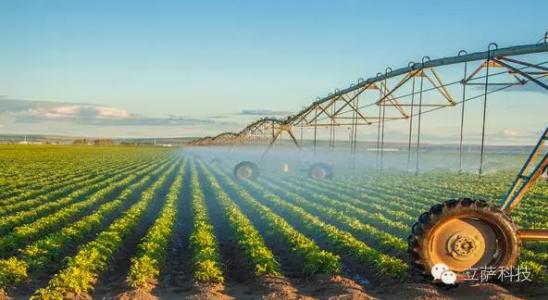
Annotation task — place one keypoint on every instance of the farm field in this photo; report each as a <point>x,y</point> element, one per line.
<point>139,223</point>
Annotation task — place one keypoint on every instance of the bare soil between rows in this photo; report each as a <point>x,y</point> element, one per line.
<point>320,287</point>
<point>336,287</point>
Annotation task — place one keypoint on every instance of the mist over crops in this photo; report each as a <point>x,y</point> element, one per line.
<point>434,158</point>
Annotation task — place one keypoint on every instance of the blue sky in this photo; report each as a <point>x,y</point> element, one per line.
<point>213,62</point>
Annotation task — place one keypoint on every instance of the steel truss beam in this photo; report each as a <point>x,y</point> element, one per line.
<point>350,113</point>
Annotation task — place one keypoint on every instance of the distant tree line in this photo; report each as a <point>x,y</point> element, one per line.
<point>95,142</point>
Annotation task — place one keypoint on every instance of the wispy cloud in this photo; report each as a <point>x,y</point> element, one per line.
<point>530,87</point>
<point>263,112</point>
<point>22,116</point>
<point>218,117</point>
<point>88,114</point>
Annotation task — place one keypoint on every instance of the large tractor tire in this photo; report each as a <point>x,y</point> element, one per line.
<point>246,170</point>
<point>463,234</point>
<point>320,171</point>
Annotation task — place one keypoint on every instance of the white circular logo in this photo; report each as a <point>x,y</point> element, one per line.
<point>448,277</point>
<point>438,269</point>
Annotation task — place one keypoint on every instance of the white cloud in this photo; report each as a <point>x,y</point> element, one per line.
<point>76,112</point>
<point>263,112</point>
<point>511,133</point>
<point>60,118</point>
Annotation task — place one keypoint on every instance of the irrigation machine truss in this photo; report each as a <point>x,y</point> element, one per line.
<point>460,233</point>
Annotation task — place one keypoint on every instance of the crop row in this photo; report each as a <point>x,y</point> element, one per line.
<point>81,271</point>
<point>247,236</point>
<point>44,218</point>
<point>28,232</point>
<point>371,198</point>
<point>387,203</point>
<point>151,253</point>
<point>341,217</point>
<point>393,186</point>
<point>315,260</point>
<point>203,243</point>
<point>59,171</point>
<point>433,188</point>
<point>21,204</point>
<point>357,208</point>
<point>44,184</point>
<point>18,179</point>
<point>67,175</point>
<point>337,239</point>
<point>46,251</point>
<point>408,192</point>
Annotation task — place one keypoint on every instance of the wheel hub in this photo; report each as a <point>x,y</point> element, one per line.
<point>244,172</point>
<point>460,245</point>
<point>318,173</point>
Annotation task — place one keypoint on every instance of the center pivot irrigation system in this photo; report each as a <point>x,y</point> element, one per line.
<point>463,233</point>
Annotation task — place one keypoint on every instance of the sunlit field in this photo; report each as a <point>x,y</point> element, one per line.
<point>135,222</point>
